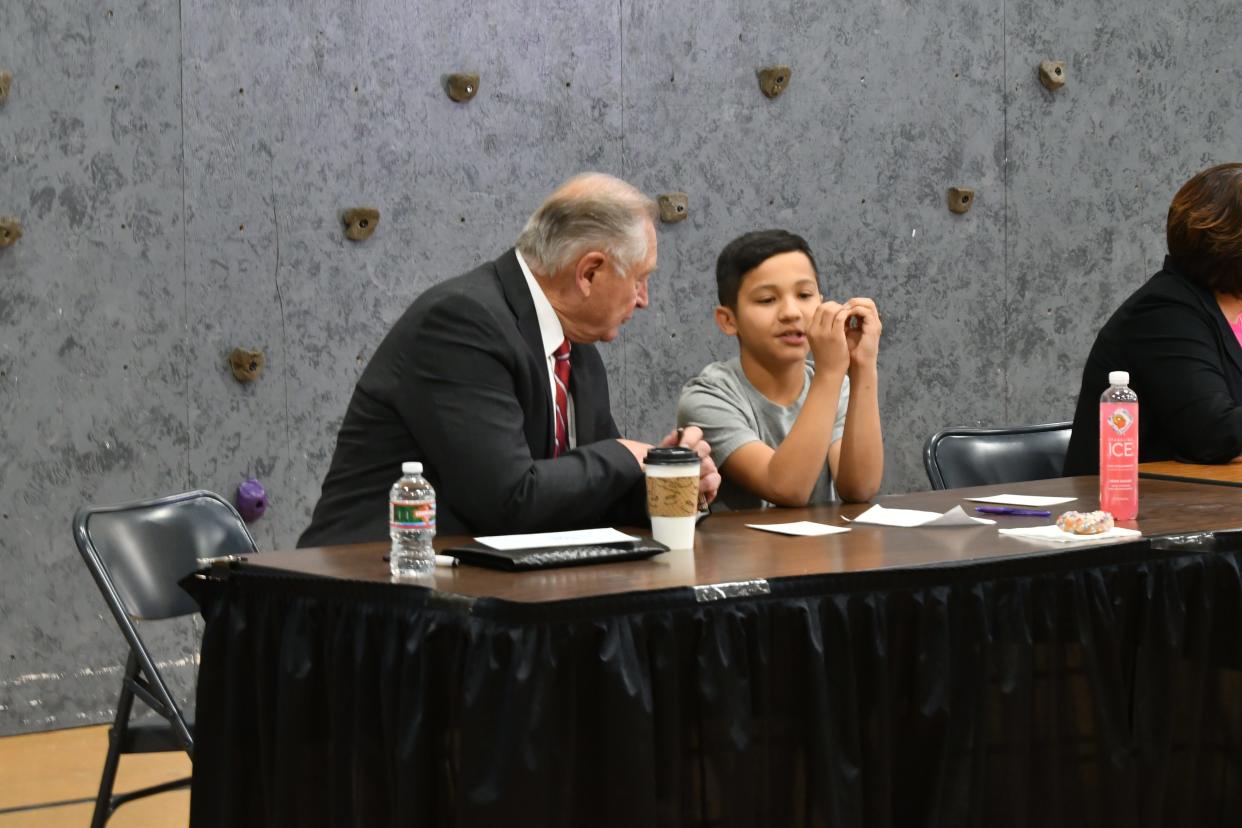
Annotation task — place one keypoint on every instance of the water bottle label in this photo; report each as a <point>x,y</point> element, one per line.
<point>412,514</point>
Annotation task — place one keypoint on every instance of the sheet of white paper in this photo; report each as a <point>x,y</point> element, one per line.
<point>1052,534</point>
<point>579,537</point>
<point>1021,500</point>
<point>879,516</point>
<point>804,528</point>
<point>957,517</point>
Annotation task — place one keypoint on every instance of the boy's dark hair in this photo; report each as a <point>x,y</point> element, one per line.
<point>747,252</point>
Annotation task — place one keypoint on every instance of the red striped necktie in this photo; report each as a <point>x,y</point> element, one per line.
<point>561,375</point>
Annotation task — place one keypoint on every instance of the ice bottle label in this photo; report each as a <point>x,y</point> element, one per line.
<point>1119,459</point>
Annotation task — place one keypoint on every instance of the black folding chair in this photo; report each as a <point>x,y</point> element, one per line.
<point>958,457</point>
<point>137,553</point>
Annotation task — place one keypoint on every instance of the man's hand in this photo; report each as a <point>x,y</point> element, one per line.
<point>638,449</point>
<point>691,437</point>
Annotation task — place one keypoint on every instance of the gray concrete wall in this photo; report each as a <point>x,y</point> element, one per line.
<point>180,168</point>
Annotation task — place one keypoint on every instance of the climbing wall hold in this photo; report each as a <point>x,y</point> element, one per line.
<point>1052,74</point>
<point>10,230</point>
<point>674,207</point>
<point>360,222</point>
<point>246,365</point>
<point>462,88</point>
<point>251,500</point>
<point>773,80</point>
<point>960,199</point>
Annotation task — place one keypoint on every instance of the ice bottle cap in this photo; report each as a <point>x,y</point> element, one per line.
<point>411,467</point>
<point>1118,377</point>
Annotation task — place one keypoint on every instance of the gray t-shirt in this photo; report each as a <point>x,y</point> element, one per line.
<point>732,413</point>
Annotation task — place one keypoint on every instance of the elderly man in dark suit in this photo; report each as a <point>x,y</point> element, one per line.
<point>490,379</point>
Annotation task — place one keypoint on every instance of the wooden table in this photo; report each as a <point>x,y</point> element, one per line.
<point>884,676</point>
<point>727,551</point>
<point>1225,474</point>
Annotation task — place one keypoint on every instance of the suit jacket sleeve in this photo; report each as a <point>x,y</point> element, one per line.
<point>633,508</point>
<point>465,379</point>
<point>1185,387</point>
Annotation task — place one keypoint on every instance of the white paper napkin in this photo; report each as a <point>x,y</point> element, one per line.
<point>1053,534</point>
<point>803,528</point>
<point>879,516</point>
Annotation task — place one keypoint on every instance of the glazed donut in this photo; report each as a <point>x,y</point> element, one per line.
<point>1085,523</point>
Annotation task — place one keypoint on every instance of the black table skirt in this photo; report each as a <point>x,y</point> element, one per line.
<point>1099,687</point>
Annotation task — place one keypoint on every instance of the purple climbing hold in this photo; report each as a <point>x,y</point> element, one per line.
<point>251,500</point>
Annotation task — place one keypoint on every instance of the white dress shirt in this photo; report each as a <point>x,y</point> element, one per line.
<point>552,334</point>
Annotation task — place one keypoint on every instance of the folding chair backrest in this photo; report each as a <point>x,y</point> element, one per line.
<point>139,551</point>
<point>958,457</point>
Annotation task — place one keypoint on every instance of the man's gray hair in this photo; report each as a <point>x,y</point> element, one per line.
<point>591,211</point>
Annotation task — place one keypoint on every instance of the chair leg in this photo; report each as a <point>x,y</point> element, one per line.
<point>104,805</point>
<point>151,790</point>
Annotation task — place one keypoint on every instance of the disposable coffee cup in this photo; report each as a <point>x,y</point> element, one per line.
<point>673,495</point>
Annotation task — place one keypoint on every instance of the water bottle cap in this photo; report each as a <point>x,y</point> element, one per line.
<point>411,467</point>
<point>1118,377</point>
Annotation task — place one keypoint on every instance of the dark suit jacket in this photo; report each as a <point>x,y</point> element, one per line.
<point>1185,366</point>
<point>461,383</point>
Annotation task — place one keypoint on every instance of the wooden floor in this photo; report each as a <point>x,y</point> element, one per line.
<point>50,780</point>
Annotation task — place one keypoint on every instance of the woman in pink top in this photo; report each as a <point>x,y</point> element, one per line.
<point>1179,336</point>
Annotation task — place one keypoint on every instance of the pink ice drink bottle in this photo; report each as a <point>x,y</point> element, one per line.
<point>1119,447</point>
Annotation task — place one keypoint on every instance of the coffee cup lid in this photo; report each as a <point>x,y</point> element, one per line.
<point>671,455</point>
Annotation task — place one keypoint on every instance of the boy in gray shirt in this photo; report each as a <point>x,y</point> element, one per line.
<point>784,428</point>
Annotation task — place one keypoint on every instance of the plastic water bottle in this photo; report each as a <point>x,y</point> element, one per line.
<point>1119,447</point>
<point>412,523</point>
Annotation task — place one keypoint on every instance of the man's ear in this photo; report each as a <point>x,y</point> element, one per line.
<point>587,269</point>
<point>726,320</point>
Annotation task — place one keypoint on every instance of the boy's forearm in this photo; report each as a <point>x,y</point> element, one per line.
<point>861,463</point>
<point>798,462</point>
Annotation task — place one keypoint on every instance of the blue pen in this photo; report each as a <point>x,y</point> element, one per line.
<point>1013,510</point>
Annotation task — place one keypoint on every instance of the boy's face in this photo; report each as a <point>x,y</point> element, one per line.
<point>775,303</point>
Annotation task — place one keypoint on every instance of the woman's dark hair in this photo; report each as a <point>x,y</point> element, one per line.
<point>1205,229</point>
<point>747,252</point>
